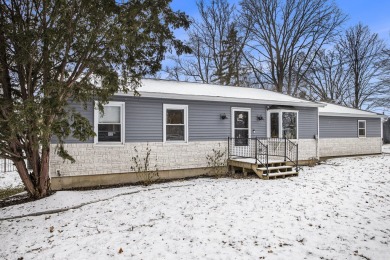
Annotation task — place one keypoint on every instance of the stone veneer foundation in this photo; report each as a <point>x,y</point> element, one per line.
<point>94,159</point>
<point>108,165</point>
<point>330,147</point>
<point>308,148</point>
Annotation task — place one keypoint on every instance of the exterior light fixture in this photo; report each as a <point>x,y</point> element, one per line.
<point>223,116</point>
<point>259,117</point>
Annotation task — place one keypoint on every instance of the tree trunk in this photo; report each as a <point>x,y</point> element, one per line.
<point>37,184</point>
<point>44,181</point>
<point>25,176</point>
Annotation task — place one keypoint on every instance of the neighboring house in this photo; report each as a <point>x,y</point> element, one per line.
<point>183,122</point>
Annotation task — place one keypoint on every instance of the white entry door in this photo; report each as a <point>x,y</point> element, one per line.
<point>241,125</point>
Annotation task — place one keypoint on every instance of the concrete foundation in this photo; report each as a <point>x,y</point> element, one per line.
<point>68,182</point>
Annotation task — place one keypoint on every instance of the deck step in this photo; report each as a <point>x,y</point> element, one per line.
<point>275,168</point>
<point>278,174</point>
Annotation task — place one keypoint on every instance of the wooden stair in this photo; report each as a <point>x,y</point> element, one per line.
<point>275,170</point>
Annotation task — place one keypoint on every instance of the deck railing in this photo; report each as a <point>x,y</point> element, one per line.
<point>262,154</point>
<point>264,150</point>
<point>242,147</point>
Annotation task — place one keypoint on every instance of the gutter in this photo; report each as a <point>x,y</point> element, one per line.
<point>351,115</point>
<point>223,99</point>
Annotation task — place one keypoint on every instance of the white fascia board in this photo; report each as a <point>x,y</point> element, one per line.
<point>349,115</point>
<point>223,99</point>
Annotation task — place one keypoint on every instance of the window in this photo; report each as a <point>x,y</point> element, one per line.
<point>241,126</point>
<point>274,125</point>
<point>283,124</point>
<point>175,123</point>
<point>109,126</point>
<point>289,125</point>
<point>361,128</point>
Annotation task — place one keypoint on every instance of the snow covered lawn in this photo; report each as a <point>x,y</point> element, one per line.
<point>9,180</point>
<point>338,210</point>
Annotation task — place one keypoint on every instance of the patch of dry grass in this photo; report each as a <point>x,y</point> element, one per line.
<point>7,192</point>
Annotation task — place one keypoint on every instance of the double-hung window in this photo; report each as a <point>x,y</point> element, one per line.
<point>109,125</point>
<point>361,128</point>
<point>282,123</point>
<point>175,123</point>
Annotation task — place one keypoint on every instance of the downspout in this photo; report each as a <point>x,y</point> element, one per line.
<point>318,135</point>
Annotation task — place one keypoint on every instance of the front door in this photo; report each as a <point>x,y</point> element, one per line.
<point>241,125</point>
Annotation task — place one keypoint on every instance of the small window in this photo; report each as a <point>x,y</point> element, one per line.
<point>274,125</point>
<point>362,128</point>
<point>175,123</point>
<point>109,125</point>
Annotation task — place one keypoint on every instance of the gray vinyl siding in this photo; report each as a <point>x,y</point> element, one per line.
<point>347,127</point>
<point>204,123</point>
<point>87,113</point>
<point>144,119</point>
<point>308,123</point>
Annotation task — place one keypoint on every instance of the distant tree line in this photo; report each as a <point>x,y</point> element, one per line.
<point>297,47</point>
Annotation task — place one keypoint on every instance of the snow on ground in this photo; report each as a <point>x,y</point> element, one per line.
<point>64,200</point>
<point>338,210</point>
<point>9,180</point>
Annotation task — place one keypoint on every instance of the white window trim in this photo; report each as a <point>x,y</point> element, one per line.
<point>171,106</point>
<point>122,117</point>
<point>365,129</point>
<point>249,119</point>
<point>280,111</point>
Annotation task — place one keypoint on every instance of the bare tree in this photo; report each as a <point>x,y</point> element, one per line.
<point>383,99</point>
<point>281,31</point>
<point>217,44</point>
<point>327,79</point>
<point>363,52</point>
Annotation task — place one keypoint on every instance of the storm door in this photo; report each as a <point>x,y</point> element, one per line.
<point>241,126</point>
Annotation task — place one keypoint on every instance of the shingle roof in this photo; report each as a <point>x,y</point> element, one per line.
<point>339,110</point>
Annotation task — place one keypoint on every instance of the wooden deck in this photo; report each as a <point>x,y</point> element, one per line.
<point>276,168</point>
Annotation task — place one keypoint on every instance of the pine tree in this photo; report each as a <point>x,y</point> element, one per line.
<point>52,52</point>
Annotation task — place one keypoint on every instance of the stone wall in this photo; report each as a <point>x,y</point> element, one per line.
<point>330,147</point>
<point>307,149</point>
<point>94,159</point>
